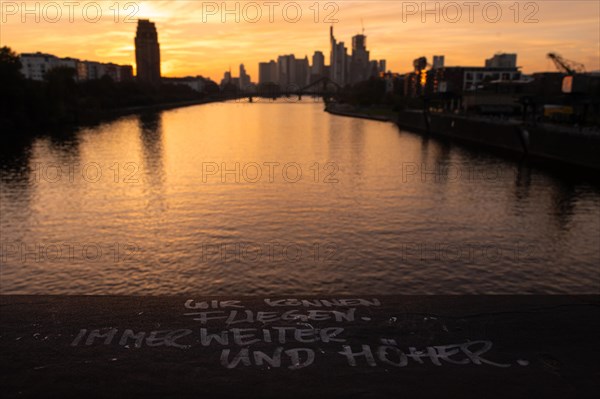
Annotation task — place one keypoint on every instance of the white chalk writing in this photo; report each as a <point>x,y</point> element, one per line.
<point>394,356</point>
<point>249,316</point>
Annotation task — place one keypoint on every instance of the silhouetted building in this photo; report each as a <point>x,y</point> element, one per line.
<point>90,70</point>
<point>438,61</point>
<point>195,83</point>
<point>318,64</point>
<point>502,60</point>
<point>548,83</point>
<point>302,72</point>
<point>126,73</point>
<point>359,64</point>
<point>416,81</point>
<point>462,79</point>
<point>147,52</point>
<point>35,66</point>
<point>244,78</point>
<point>267,72</point>
<point>338,60</point>
<point>286,71</point>
<point>227,79</point>
<point>413,84</point>
<point>376,68</point>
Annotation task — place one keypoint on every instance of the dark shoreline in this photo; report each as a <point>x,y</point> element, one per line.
<point>543,144</point>
<point>97,117</point>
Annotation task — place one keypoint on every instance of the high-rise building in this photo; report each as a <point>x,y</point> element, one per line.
<point>286,71</point>
<point>338,60</point>
<point>267,72</point>
<point>244,78</point>
<point>147,53</point>
<point>359,64</point>
<point>226,79</point>
<point>302,72</point>
<point>318,64</point>
<point>382,66</point>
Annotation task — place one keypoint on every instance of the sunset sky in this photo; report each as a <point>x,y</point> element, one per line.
<point>195,43</point>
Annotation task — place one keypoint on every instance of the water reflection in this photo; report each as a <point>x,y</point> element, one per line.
<point>15,182</point>
<point>151,138</point>
<point>456,225</point>
<point>152,171</point>
<point>564,200</point>
<point>522,181</point>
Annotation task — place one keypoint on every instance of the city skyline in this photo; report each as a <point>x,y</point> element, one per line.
<point>191,47</point>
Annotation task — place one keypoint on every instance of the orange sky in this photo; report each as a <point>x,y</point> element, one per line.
<point>193,42</point>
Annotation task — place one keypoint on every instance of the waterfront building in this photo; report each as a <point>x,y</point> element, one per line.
<point>35,65</point>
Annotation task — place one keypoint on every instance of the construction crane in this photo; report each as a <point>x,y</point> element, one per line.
<point>566,66</point>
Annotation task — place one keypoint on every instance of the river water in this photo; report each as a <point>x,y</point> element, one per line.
<point>281,198</point>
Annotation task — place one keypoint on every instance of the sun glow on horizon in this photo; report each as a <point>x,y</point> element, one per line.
<point>147,10</point>
<point>194,43</point>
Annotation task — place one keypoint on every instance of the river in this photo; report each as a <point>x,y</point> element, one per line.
<point>281,198</point>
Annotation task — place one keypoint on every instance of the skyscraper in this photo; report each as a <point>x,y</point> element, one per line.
<point>286,71</point>
<point>338,60</point>
<point>359,64</point>
<point>147,53</point>
<point>244,79</point>
<point>318,64</point>
<point>267,72</point>
<point>302,72</point>
<point>317,70</point>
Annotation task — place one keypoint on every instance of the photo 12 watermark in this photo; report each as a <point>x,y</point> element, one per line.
<point>67,252</point>
<point>449,172</point>
<point>248,252</point>
<point>269,172</point>
<point>89,172</point>
<point>454,12</point>
<point>53,12</point>
<point>468,253</point>
<point>269,11</point>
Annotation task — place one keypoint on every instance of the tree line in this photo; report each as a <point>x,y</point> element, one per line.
<point>60,99</point>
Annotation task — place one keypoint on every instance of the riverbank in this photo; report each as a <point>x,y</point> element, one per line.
<point>423,346</point>
<point>375,114</point>
<point>540,142</point>
<point>95,117</point>
<point>119,112</point>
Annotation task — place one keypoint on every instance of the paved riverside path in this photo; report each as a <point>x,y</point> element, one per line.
<point>328,346</point>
